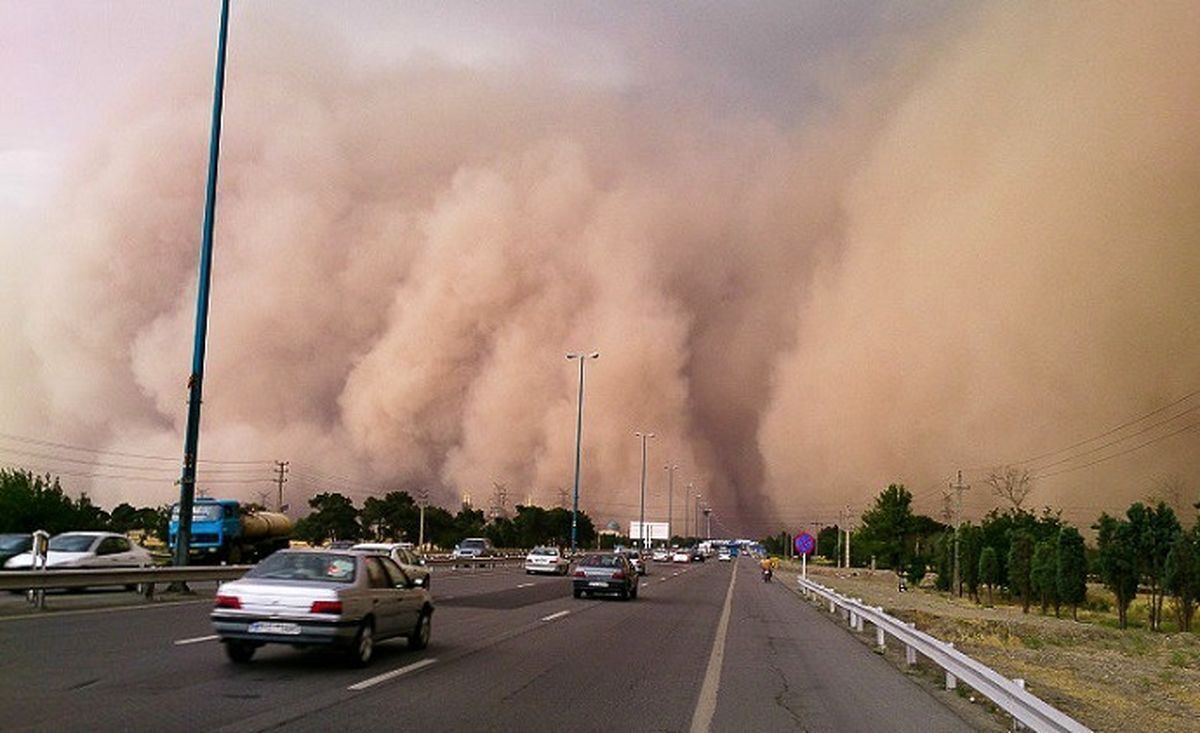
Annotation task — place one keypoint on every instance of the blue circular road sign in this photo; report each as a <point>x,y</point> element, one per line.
<point>805,544</point>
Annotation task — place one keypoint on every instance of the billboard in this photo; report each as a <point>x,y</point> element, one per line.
<point>654,531</point>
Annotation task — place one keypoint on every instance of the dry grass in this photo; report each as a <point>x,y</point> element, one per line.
<point>1106,678</point>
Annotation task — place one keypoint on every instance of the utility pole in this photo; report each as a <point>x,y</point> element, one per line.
<point>642,517</point>
<point>847,538</point>
<point>423,499</point>
<point>191,439</point>
<point>281,469</point>
<point>698,516</point>
<point>958,489</point>
<point>708,522</point>
<point>670,469</point>
<point>562,498</point>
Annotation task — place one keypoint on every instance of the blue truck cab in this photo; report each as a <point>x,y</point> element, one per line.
<point>216,526</point>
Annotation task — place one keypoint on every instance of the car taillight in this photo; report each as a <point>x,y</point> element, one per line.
<point>326,607</point>
<point>580,574</point>
<point>619,575</point>
<point>228,602</point>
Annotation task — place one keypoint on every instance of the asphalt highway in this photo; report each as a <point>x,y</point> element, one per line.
<point>704,647</point>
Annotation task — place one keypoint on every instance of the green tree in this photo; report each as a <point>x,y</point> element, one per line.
<point>970,545</point>
<point>1043,574</point>
<point>989,569</point>
<point>1118,560</point>
<point>827,542</point>
<point>944,558</point>
<point>1182,576</point>
<point>396,516</point>
<point>29,502</point>
<point>1071,569</point>
<point>886,526</point>
<point>917,568</point>
<point>333,518</point>
<point>1155,529</point>
<point>1020,567</point>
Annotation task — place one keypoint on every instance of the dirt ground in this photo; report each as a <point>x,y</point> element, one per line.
<point>1106,678</point>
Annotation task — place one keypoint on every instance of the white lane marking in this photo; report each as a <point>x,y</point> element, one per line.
<point>706,706</point>
<point>526,585</point>
<point>674,573</point>
<point>197,640</point>
<point>553,616</point>
<point>663,580</point>
<point>391,675</point>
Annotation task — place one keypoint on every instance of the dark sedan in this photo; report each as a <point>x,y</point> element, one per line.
<point>605,573</point>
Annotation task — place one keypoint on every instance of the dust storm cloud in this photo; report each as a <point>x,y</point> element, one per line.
<point>813,261</point>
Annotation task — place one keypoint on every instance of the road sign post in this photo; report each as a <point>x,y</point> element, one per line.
<point>804,546</point>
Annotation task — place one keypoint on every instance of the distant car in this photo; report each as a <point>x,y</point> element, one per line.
<point>698,555</point>
<point>414,565</point>
<point>635,557</point>
<point>661,555</point>
<point>682,555</point>
<point>347,600</point>
<point>12,545</point>
<point>605,573</point>
<point>87,550</point>
<point>546,560</point>
<point>724,556</point>
<point>473,547</point>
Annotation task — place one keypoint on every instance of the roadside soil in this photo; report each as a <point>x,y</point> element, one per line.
<point>1106,678</point>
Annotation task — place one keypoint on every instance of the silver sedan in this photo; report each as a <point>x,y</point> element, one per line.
<point>342,599</point>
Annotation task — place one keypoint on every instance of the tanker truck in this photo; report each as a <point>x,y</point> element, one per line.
<point>223,531</point>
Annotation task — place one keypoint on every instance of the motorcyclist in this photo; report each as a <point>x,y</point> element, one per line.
<point>768,565</point>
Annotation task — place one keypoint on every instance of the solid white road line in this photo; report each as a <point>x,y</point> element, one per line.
<point>197,640</point>
<point>391,675</point>
<point>553,616</point>
<point>706,706</point>
<point>526,585</point>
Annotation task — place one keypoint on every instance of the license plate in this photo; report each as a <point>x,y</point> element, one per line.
<point>598,584</point>
<point>274,627</point>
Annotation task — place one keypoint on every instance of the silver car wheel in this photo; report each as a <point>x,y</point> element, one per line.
<point>364,644</point>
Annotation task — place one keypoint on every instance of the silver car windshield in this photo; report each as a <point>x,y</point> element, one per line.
<point>14,542</point>
<point>321,567</point>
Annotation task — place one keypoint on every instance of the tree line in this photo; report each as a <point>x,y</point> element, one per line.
<point>396,516</point>
<point>29,502</point>
<point>1034,558</point>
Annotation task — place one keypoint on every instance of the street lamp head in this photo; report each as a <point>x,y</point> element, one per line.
<point>581,355</point>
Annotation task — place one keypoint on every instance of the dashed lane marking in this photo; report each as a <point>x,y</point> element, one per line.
<point>526,585</point>
<point>553,616</point>
<point>391,675</point>
<point>197,640</point>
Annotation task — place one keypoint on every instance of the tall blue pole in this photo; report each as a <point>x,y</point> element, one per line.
<point>191,440</point>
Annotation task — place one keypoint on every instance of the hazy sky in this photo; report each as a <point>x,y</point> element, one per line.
<point>820,246</point>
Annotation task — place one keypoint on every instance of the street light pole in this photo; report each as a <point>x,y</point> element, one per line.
<point>642,517</point>
<point>670,469</point>
<point>582,357</point>
<point>686,513</point>
<point>697,516</point>
<point>191,438</point>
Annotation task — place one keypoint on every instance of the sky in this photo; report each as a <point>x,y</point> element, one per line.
<point>821,247</point>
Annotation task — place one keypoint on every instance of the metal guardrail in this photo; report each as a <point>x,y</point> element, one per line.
<point>1009,695</point>
<point>92,577</point>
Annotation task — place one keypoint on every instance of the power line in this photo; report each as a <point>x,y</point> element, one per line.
<point>1111,443</point>
<point>1152,441</point>
<point>52,444</point>
<point>105,464</point>
<point>1110,431</point>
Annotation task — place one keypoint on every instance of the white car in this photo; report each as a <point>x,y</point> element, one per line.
<point>87,550</point>
<point>661,555</point>
<point>682,555</point>
<point>724,556</point>
<point>413,565</point>
<point>546,560</point>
